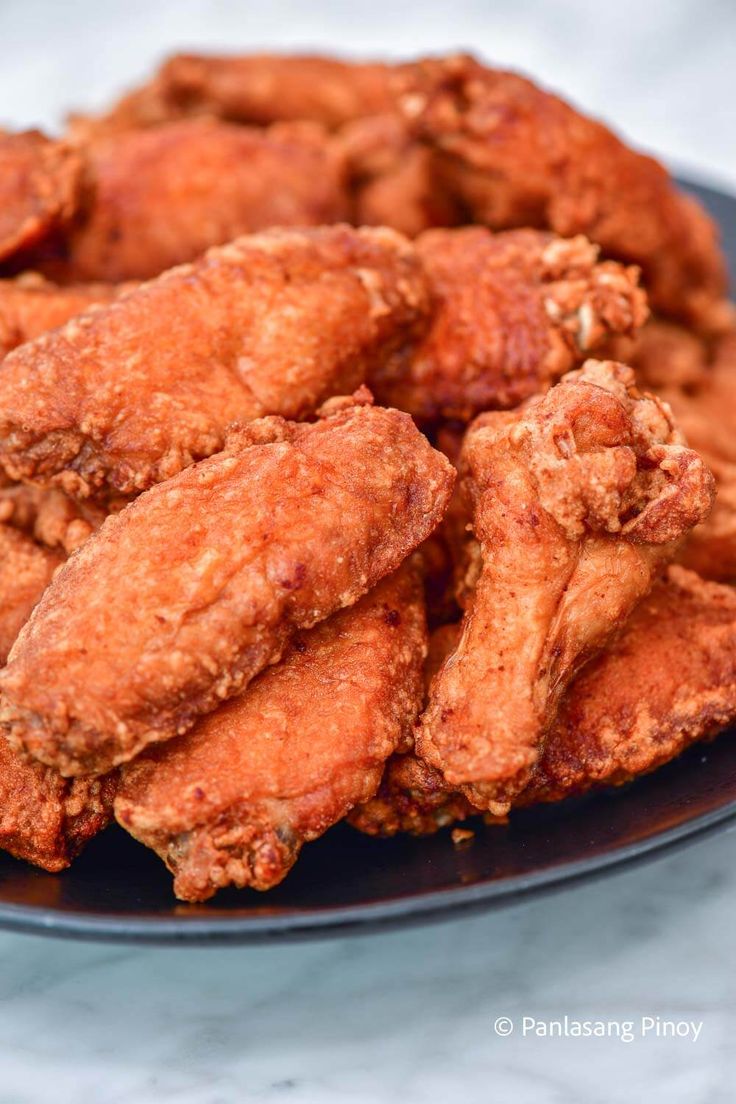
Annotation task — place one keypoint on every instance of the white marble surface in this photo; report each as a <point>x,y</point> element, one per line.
<point>404,1016</point>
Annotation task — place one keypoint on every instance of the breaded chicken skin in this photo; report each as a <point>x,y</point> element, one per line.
<point>40,182</point>
<point>26,569</point>
<point>515,155</point>
<point>31,305</point>
<point>232,801</point>
<point>162,197</point>
<point>666,682</point>
<point>129,394</point>
<point>255,88</point>
<point>46,819</point>
<point>669,680</point>
<point>707,415</point>
<point>51,517</point>
<point>511,314</point>
<point>176,603</point>
<point>577,499</point>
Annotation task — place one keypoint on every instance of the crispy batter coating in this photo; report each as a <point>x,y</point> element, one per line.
<point>128,395</point>
<point>577,499</point>
<point>164,196</point>
<point>708,418</point>
<point>26,570</point>
<point>512,313</point>
<point>255,88</point>
<point>40,184</point>
<point>516,155</point>
<point>44,818</point>
<point>392,177</point>
<point>232,801</point>
<point>181,599</point>
<point>669,680</point>
<point>667,355</point>
<point>50,516</point>
<point>413,797</point>
<point>31,305</point>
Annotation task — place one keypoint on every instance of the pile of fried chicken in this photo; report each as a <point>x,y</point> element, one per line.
<point>367,452</point>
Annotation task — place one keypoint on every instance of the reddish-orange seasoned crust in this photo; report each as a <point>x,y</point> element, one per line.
<point>669,680</point>
<point>512,313</point>
<point>26,569</point>
<point>253,88</point>
<point>129,394</point>
<point>516,155</point>
<point>31,305</point>
<point>578,498</point>
<point>233,800</point>
<point>50,516</point>
<point>392,177</point>
<point>163,196</point>
<point>707,414</point>
<point>44,818</point>
<point>39,189</point>
<point>176,603</point>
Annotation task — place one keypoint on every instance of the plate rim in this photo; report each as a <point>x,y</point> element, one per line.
<point>366,918</point>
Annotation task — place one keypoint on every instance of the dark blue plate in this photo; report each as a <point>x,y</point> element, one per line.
<point>348,883</point>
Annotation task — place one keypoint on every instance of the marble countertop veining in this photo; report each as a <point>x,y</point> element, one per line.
<point>405,1016</point>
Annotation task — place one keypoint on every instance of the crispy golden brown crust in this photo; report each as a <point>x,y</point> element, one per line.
<point>255,88</point>
<point>577,499</point>
<point>666,682</point>
<point>517,156</point>
<point>669,680</point>
<point>162,197</point>
<point>233,800</point>
<point>44,818</point>
<point>40,183</point>
<point>177,602</point>
<point>512,313</point>
<point>128,395</point>
<point>26,570</point>
<point>707,414</point>
<point>31,305</point>
<point>667,355</point>
<point>391,177</point>
<point>50,516</point>
<point>412,797</point>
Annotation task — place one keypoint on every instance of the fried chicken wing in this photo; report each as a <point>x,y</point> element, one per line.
<point>669,680</point>
<point>516,155</point>
<point>254,88</point>
<point>31,305</point>
<point>512,313</point>
<point>26,570</point>
<point>129,394</point>
<point>163,196</point>
<point>181,599</point>
<point>577,498</point>
<point>666,682</point>
<point>40,183</point>
<point>44,818</point>
<point>232,801</point>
